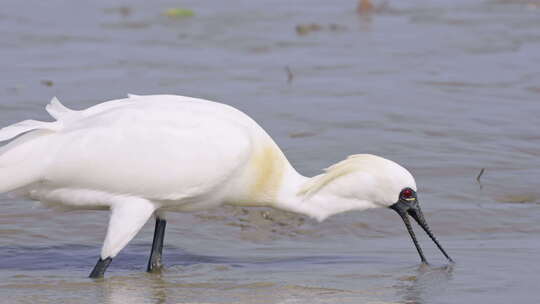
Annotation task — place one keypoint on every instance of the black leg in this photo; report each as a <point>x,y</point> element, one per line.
<point>154,263</point>
<point>100,268</point>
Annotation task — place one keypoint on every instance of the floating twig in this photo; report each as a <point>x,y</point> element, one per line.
<point>479,176</point>
<point>290,75</point>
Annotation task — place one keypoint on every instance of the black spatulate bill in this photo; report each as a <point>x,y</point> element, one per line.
<point>408,205</point>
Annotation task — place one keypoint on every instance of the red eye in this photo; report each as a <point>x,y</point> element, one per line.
<point>407,193</point>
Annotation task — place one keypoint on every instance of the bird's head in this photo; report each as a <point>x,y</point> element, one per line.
<point>365,181</point>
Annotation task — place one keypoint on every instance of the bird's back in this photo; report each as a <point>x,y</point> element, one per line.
<point>170,149</point>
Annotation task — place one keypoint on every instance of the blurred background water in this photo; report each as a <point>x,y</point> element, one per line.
<point>445,88</point>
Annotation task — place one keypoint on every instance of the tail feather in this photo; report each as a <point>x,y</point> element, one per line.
<point>21,160</point>
<point>57,109</point>
<point>17,129</point>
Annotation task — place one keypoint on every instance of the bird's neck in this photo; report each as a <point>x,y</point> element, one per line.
<point>270,180</point>
<point>319,205</point>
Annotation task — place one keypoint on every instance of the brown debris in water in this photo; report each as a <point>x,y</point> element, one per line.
<point>304,29</point>
<point>523,198</point>
<point>290,75</point>
<point>47,83</point>
<point>123,11</point>
<point>534,89</point>
<point>365,7</point>
<point>336,27</point>
<point>302,134</point>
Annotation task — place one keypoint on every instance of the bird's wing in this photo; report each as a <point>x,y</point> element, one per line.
<point>158,151</point>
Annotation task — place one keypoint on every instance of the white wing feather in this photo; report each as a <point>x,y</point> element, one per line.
<point>159,148</point>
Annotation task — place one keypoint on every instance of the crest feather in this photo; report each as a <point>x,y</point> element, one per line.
<point>351,164</point>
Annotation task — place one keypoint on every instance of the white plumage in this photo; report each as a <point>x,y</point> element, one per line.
<point>173,153</point>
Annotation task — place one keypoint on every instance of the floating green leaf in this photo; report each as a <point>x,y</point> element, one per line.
<point>178,13</point>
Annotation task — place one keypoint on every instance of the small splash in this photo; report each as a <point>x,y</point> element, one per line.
<point>425,283</point>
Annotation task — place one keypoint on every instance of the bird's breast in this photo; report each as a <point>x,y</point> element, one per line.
<point>262,177</point>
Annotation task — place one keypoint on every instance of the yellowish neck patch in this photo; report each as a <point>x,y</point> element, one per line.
<point>267,165</point>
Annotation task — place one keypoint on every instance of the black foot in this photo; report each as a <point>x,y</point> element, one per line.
<point>154,263</point>
<point>100,268</point>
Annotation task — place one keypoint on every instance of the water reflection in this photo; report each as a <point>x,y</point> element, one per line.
<point>144,289</point>
<point>426,283</point>
<point>419,285</point>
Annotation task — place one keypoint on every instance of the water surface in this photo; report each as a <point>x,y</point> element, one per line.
<point>443,87</point>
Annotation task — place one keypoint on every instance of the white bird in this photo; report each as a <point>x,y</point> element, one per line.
<point>147,155</point>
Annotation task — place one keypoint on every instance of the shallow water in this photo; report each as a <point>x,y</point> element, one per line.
<point>443,87</point>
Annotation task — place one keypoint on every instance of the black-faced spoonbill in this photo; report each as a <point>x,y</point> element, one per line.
<point>147,155</point>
